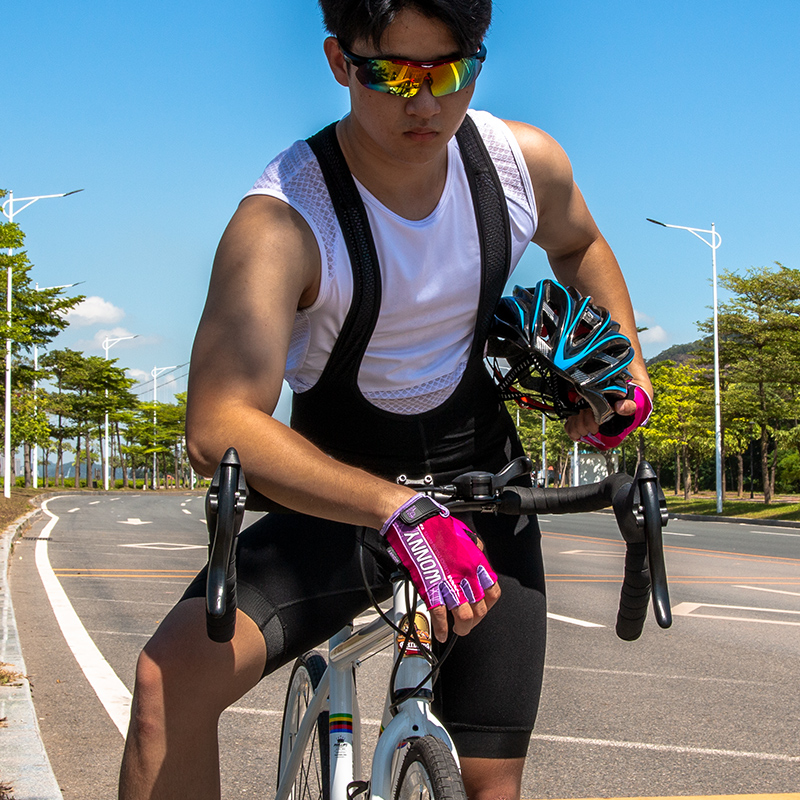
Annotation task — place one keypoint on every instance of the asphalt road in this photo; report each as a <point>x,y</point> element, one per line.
<point>710,706</point>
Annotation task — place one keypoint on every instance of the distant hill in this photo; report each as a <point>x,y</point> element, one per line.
<point>679,353</point>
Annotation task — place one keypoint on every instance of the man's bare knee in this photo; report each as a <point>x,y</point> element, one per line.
<point>181,669</point>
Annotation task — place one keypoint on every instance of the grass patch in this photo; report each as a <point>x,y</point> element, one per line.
<point>15,506</point>
<point>780,508</point>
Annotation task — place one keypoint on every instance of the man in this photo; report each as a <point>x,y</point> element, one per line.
<point>410,396</point>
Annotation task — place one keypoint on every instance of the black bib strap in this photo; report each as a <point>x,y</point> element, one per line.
<point>494,227</point>
<point>351,344</point>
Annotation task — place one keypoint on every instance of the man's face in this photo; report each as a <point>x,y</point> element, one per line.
<point>413,130</point>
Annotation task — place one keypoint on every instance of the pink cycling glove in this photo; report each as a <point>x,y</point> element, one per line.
<point>438,550</point>
<point>613,432</point>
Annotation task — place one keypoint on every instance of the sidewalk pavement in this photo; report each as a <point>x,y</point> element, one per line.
<point>24,766</point>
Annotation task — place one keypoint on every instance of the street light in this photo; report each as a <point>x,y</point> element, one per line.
<point>155,373</point>
<point>36,386</point>
<point>10,212</point>
<point>108,343</point>
<point>715,242</point>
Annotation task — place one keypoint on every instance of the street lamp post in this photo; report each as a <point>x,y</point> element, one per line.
<point>155,373</point>
<point>715,242</point>
<point>10,212</point>
<point>36,386</point>
<point>108,343</point>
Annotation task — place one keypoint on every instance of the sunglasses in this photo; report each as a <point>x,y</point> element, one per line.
<point>405,78</point>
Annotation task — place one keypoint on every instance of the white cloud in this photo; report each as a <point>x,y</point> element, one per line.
<point>139,375</point>
<point>94,311</point>
<point>653,335</point>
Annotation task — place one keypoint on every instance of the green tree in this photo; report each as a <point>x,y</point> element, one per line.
<point>37,317</point>
<point>155,440</point>
<point>760,350</point>
<point>682,418</point>
<point>59,365</point>
<point>86,388</point>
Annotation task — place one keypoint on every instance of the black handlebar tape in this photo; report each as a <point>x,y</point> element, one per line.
<point>635,594</point>
<point>516,500</point>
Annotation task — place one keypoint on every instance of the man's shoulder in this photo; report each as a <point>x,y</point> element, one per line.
<point>532,140</point>
<point>289,170</point>
<point>545,158</point>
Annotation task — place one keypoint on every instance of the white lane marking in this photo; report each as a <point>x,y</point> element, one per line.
<point>73,510</point>
<point>186,511</point>
<point>667,748</point>
<point>165,546</point>
<point>600,553</point>
<point>772,591</point>
<point>582,623</point>
<point>675,533</point>
<point>133,521</point>
<point>775,533</point>
<point>688,610</point>
<point>261,712</point>
<point>116,600</point>
<point>630,674</point>
<point>94,503</point>
<point>111,691</point>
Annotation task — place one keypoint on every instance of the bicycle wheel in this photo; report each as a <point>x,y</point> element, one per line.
<point>313,777</point>
<point>429,772</point>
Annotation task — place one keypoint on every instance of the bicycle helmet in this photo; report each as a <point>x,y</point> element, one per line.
<point>564,353</point>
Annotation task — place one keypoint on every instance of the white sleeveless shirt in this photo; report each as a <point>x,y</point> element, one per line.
<point>430,274</point>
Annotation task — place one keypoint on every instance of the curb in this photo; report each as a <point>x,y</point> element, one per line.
<point>23,760</point>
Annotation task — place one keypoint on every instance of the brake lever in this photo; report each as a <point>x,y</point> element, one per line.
<point>654,513</point>
<point>641,512</point>
<point>225,506</point>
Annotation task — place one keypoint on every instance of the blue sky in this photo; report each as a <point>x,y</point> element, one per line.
<point>166,113</point>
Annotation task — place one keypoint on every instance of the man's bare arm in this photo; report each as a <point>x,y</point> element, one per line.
<point>266,267</point>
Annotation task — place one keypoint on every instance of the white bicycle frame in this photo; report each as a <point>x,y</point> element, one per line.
<point>336,693</point>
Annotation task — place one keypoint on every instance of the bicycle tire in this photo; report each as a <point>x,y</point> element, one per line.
<point>313,778</point>
<point>429,772</point>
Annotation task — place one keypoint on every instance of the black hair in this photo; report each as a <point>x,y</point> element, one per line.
<point>349,20</point>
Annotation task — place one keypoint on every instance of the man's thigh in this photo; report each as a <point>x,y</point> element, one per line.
<point>301,579</point>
